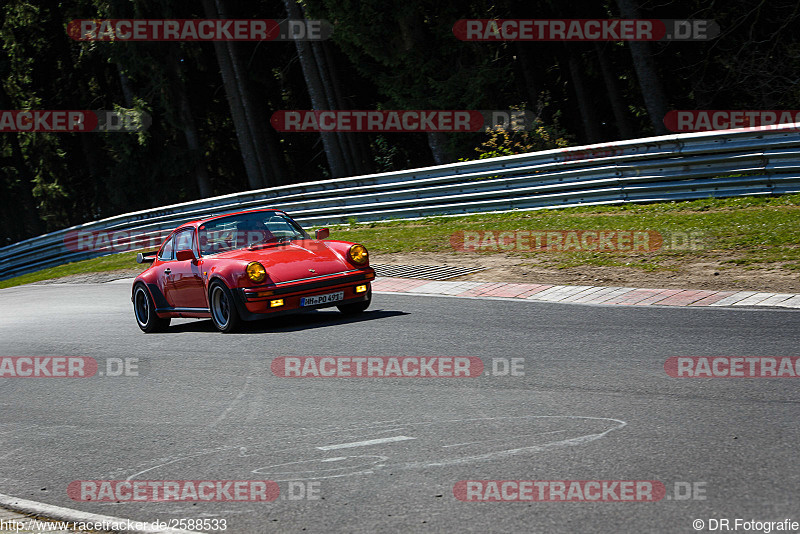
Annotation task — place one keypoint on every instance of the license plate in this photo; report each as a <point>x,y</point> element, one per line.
<point>322,299</point>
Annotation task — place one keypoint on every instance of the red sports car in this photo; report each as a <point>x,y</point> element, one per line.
<point>247,266</point>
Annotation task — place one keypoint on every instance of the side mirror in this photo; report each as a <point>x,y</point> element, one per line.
<point>146,257</point>
<point>322,233</point>
<point>185,254</point>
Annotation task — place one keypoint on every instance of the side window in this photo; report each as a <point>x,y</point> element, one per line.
<point>185,240</point>
<point>166,251</point>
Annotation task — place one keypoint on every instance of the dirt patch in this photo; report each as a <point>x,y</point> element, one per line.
<point>92,278</point>
<point>703,272</point>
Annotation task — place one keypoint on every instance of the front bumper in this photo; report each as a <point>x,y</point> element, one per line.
<point>254,303</point>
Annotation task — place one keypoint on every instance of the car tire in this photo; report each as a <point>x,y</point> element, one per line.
<point>223,308</point>
<point>357,307</point>
<point>145,312</point>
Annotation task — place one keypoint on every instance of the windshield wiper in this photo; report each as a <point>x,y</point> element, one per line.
<point>269,241</point>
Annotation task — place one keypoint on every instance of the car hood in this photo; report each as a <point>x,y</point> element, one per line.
<point>292,261</point>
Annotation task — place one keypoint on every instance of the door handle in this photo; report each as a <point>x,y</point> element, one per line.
<point>167,270</point>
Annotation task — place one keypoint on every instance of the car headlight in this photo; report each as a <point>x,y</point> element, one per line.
<point>255,271</point>
<point>358,254</point>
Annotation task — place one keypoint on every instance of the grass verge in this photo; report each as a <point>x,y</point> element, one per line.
<point>113,262</point>
<point>755,232</point>
<point>752,231</point>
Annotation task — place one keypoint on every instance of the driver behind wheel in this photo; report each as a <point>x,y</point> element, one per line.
<point>252,231</point>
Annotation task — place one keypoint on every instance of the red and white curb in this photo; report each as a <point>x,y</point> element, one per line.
<point>623,296</point>
<point>10,508</point>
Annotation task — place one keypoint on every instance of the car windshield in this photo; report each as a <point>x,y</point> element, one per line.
<point>248,230</point>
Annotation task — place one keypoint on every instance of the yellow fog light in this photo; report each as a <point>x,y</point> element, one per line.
<point>361,289</point>
<point>358,254</point>
<point>275,303</point>
<point>255,271</point>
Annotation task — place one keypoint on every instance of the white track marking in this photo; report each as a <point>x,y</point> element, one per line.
<point>364,443</point>
<point>571,442</point>
<point>311,473</point>
<point>499,439</point>
<point>232,404</point>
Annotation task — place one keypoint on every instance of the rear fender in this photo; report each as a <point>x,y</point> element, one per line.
<point>156,296</point>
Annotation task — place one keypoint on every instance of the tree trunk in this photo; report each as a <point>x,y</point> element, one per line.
<point>246,146</point>
<point>316,92</point>
<point>588,120</point>
<point>24,220</point>
<point>359,142</point>
<point>189,127</point>
<point>266,150</point>
<point>187,124</point>
<point>649,82</point>
<point>617,106</point>
<point>32,224</point>
<point>527,74</point>
<point>124,82</point>
<point>332,101</point>
<point>437,141</point>
<point>356,144</point>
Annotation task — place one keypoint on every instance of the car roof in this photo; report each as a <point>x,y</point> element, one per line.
<point>198,222</point>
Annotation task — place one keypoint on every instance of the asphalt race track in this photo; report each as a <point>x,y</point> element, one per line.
<point>384,454</point>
